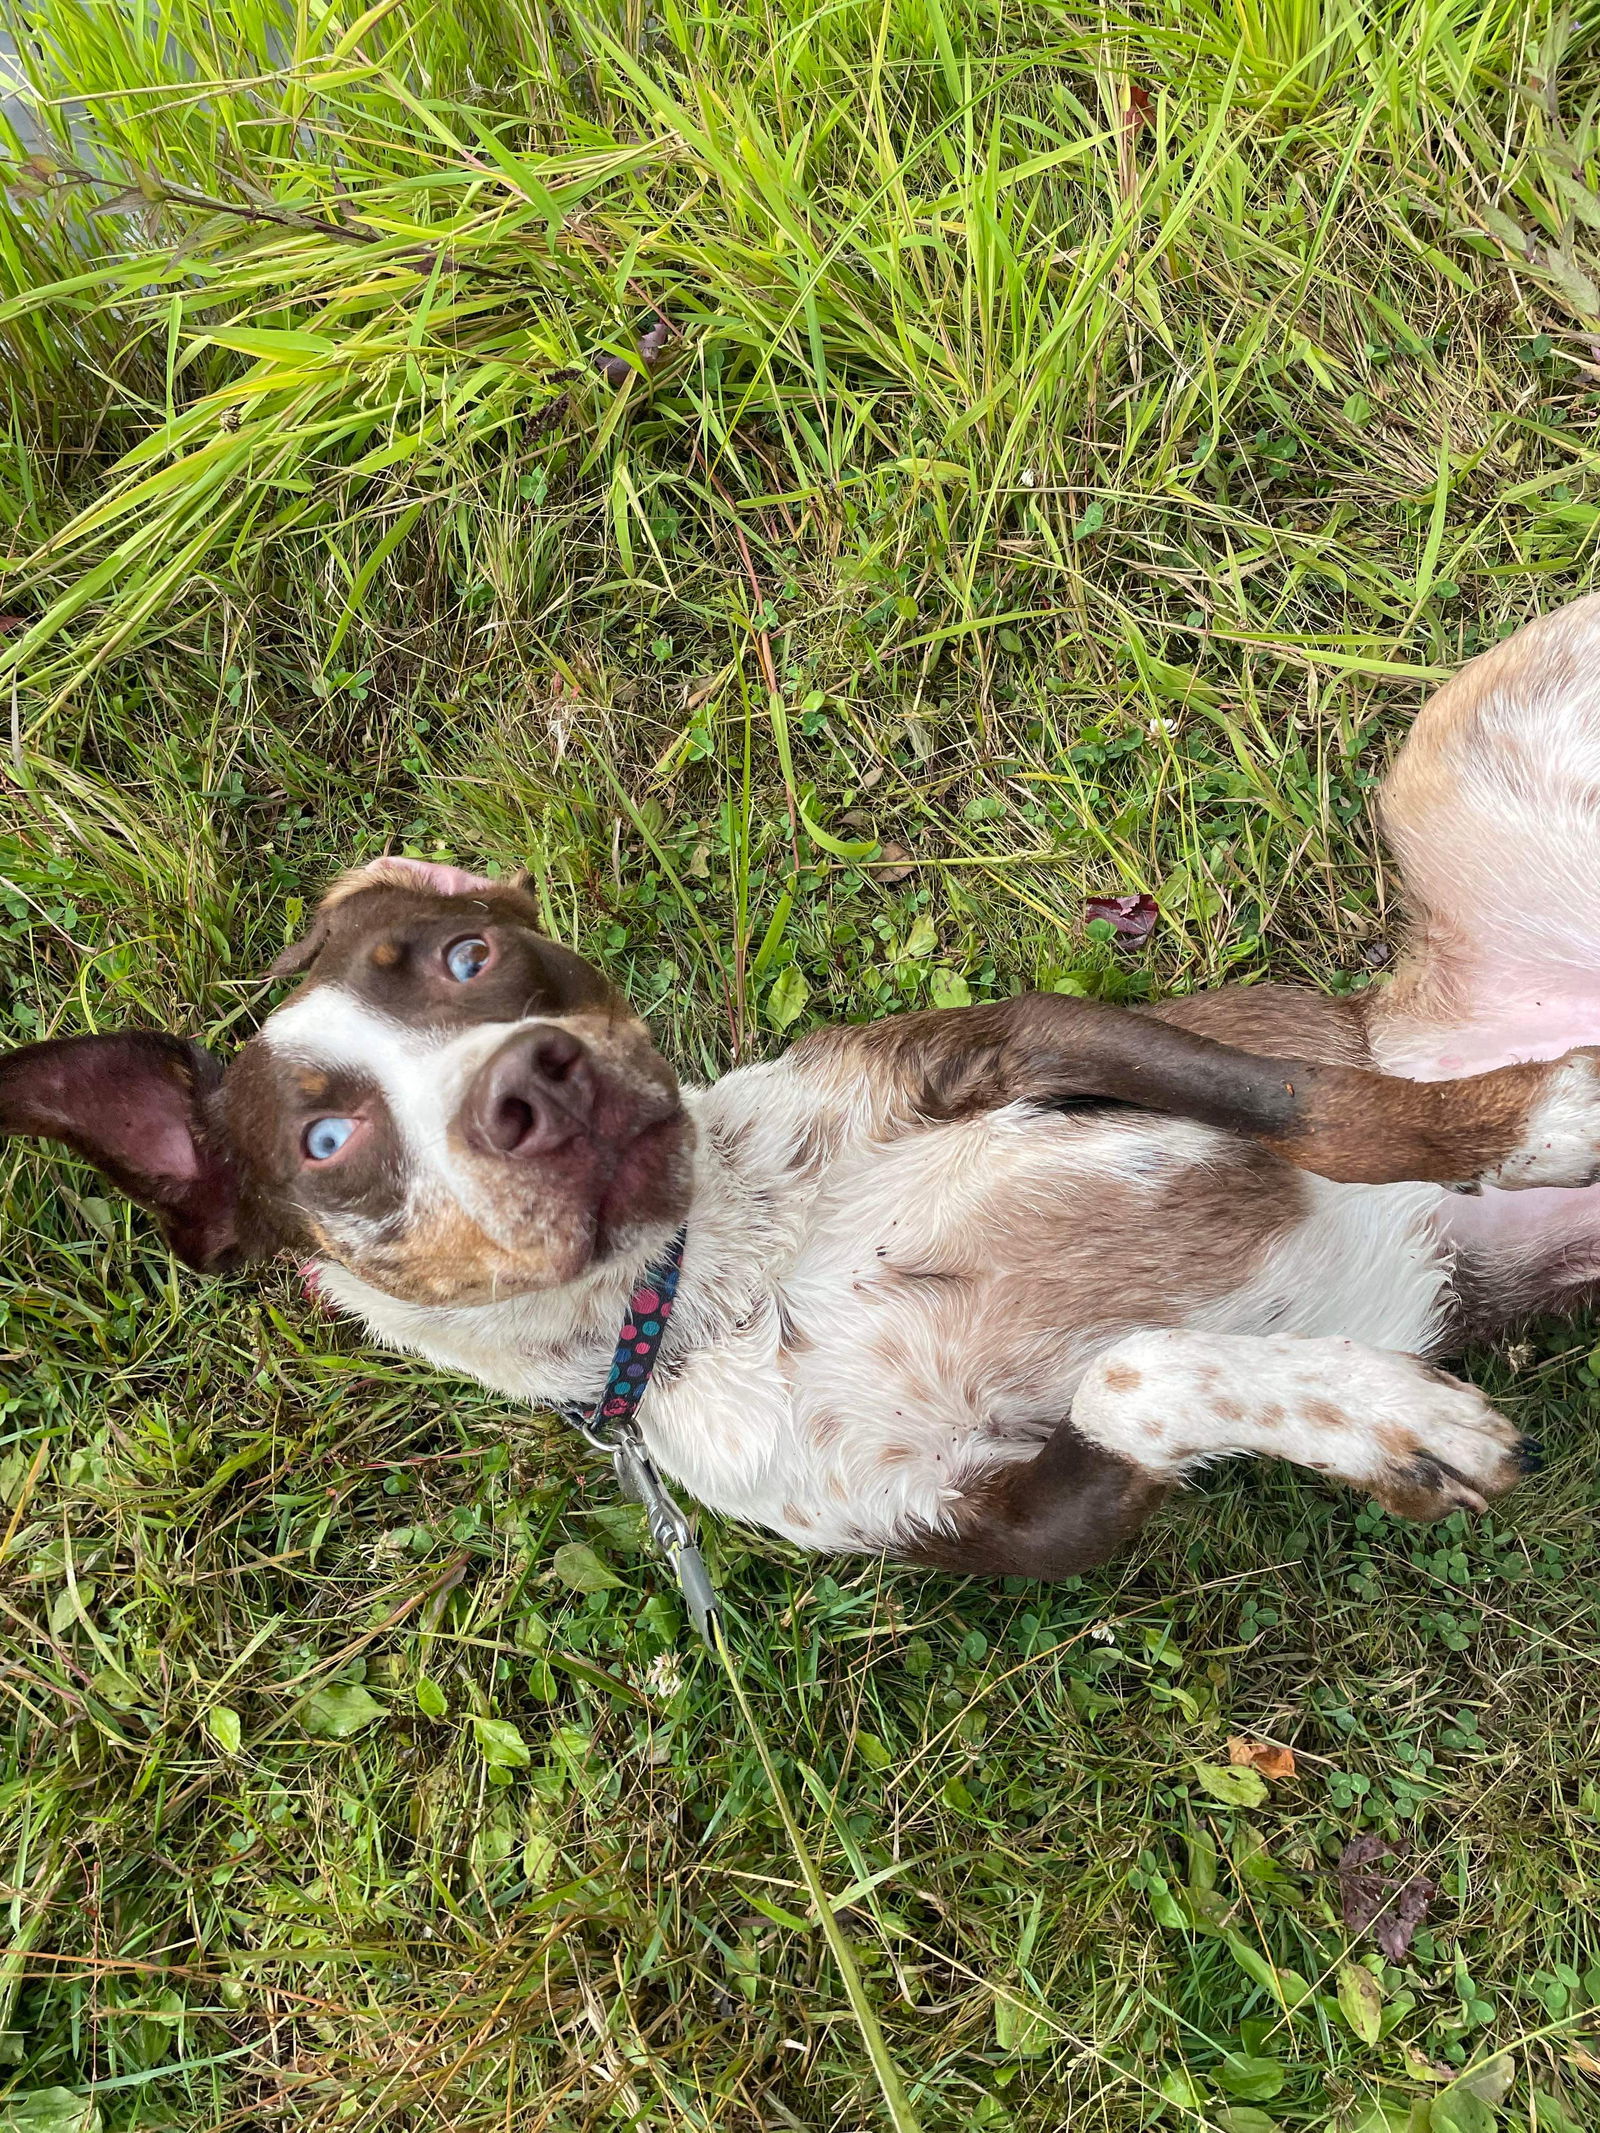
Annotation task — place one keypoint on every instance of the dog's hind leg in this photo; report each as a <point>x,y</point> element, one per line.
<point>1492,810</point>
<point>1054,1515</point>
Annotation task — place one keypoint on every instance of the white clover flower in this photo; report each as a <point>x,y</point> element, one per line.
<point>664,1676</point>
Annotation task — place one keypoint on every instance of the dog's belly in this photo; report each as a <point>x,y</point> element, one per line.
<point>1514,1022</point>
<point>951,1288</point>
<point>1518,1251</point>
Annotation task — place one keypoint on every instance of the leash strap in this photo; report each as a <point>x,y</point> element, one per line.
<point>613,1429</point>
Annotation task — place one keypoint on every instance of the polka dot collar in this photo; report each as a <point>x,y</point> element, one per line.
<point>638,1343</point>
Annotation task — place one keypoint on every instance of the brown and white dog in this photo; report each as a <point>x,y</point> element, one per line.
<point>896,1328</point>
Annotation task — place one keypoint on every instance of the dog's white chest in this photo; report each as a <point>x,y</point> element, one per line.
<point>826,1399</point>
<point>811,1417</point>
<point>910,1329</point>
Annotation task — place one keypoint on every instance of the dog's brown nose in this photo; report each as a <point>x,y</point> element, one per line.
<point>536,1094</point>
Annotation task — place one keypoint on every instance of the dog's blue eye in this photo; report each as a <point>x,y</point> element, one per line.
<point>326,1136</point>
<point>465,959</point>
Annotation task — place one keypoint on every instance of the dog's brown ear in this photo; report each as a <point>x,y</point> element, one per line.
<point>390,873</point>
<point>300,954</point>
<point>141,1108</point>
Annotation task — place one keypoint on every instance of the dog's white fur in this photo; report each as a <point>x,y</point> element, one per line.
<point>811,1391</point>
<point>833,1369</point>
<point>1168,1400</point>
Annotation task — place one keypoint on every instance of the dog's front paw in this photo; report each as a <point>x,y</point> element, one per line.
<point>1448,1450</point>
<point>1560,1139</point>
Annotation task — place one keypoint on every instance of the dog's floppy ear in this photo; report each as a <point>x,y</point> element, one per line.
<point>137,1106</point>
<point>424,874</point>
<point>300,954</point>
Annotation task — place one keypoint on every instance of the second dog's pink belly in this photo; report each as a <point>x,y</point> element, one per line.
<point>1532,1029</point>
<point>1542,1219</point>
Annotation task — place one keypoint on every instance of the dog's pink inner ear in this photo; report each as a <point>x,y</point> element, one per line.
<point>137,1106</point>
<point>438,880</point>
<point>127,1101</point>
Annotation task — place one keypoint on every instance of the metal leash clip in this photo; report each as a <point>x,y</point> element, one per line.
<point>671,1531</point>
<point>613,1429</point>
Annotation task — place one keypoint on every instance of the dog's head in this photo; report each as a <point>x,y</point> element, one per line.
<point>451,1106</point>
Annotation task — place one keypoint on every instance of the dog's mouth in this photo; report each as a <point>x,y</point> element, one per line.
<point>641,1189</point>
<point>554,1136</point>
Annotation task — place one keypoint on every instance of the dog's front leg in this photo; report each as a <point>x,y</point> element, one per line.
<point>1423,1443</point>
<point>1536,1123</point>
<point>1158,1404</point>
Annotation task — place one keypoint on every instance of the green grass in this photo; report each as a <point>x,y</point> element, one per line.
<point>1083,438</point>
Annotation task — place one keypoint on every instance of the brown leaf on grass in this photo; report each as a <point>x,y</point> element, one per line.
<point>893,863</point>
<point>1140,111</point>
<point>1395,1930</point>
<point>1391,1905</point>
<point>8,623</point>
<point>1131,918</point>
<point>1262,1755</point>
<point>617,370</point>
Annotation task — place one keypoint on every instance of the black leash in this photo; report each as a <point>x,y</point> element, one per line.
<point>613,1429</point>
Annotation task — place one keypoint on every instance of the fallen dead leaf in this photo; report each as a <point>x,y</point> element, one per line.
<point>1140,111</point>
<point>893,863</point>
<point>1132,918</point>
<point>1389,1905</point>
<point>1425,2069</point>
<point>1262,1755</point>
<point>616,370</point>
<point>1395,1930</point>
